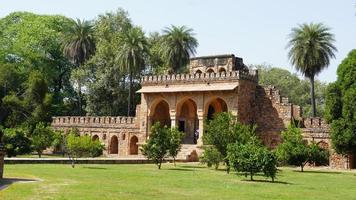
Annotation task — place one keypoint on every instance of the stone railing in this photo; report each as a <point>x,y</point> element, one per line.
<point>251,75</point>
<point>74,120</point>
<point>315,122</point>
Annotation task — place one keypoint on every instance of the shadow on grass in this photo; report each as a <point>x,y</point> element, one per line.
<point>6,182</point>
<point>180,169</point>
<point>192,167</point>
<point>317,172</point>
<point>267,181</point>
<point>95,168</point>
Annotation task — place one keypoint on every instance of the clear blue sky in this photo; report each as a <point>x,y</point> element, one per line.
<point>254,30</point>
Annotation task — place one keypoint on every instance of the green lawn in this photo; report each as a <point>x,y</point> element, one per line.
<point>186,181</point>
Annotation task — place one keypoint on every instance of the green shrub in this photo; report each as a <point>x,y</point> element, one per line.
<point>211,156</point>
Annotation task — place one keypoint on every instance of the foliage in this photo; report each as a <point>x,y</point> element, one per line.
<point>16,142</point>
<point>317,155</point>
<point>341,106</point>
<point>311,47</point>
<point>41,138</point>
<point>176,138</point>
<point>211,156</point>
<point>82,146</point>
<point>177,46</point>
<point>163,141</point>
<point>225,129</point>
<point>291,86</point>
<point>252,158</point>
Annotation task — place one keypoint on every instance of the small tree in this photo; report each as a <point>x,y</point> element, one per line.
<point>293,150</point>
<point>225,129</point>
<point>176,138</point>
<point>42,137</point>
<point>82,146</point>
<point>211,156</point>
<point>318,155</point>
<point>16,142</point>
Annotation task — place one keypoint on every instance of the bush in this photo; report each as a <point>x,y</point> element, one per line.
<point>16,142</point>
<point>317,155</point>
<point>211,156</point>
<point>251,158</point>
<point>42,138</point>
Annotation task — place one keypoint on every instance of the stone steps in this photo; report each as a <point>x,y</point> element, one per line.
<point>186,152</point>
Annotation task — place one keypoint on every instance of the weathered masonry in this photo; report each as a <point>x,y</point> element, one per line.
<point>215,84</point>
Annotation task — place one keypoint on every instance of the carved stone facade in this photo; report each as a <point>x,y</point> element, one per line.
<point>214,84</point>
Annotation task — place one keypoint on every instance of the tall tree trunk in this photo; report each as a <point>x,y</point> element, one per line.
<point>129,99</point>
<point>312,96</point>
<point>80,98</point>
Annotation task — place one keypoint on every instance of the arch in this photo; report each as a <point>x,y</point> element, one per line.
<point>95,137</point>
<point>198,71</point>
<point>222,70</point>
<point>210,70</point>
<point>187,119</point>
<point>114,145</point>
<point>323,145</point>
<point>213,106</point>
<point>133,145</point>
<point>159,112</point>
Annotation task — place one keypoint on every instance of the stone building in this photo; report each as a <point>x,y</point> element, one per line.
<point>215,84</point>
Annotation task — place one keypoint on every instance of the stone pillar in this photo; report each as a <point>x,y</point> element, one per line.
<point>172,115</point>
<point>201,130</point>
<point>2,154</point>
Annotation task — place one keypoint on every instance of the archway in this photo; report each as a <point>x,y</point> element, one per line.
<point>187,120</point>
<point>198,72</point>
<point>160,113</point>
<point>215,106</point>
<point>114,145</point>
<point>133,145</point>
<point>323,145</point>
<point>222,70</point>
<point>210,71</point>
<point>95,137</point>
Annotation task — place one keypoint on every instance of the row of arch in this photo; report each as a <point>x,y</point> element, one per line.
<point>186,118</point>
<point>114,145</point>
<point>211,70</point>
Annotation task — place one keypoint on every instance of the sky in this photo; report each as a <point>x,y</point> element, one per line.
<point>255,30</point>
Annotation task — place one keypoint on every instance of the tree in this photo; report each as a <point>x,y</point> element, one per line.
<point>158,145</point>
<point>42,138</point>
<point>311,47</point>
<point>225,129</point>
<point>176,138</point>
<point>211,156</point>
<point>82,146</point>
<point>132,57</point>
<point>177,46</point>
<point>317,155</point>
<point>341,107</point>
<point>16,142</point>
<point>293,149</point>
<point>79,46</point>
<point>252,158</point>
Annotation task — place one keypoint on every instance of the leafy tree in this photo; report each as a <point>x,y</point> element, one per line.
<point>317,155</point>
<point>211,156</point>
<point>293,149</point>
<point>82,146</point>
<point>341,107</point>
<point>176,138</point>
<point>177,47</point>
<point>132,57</point>
<point>42,138</point>
<point>79,45</point>
<point>156,60</point>
<point>225,129</point>
<point>311,47</point>
<point>16,142</point>
<point>159,142</point>
<point>252,158</point>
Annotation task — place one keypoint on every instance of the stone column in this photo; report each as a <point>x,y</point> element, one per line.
<point>201,130</point>
<point>2,154</point>
<point>172,115</point>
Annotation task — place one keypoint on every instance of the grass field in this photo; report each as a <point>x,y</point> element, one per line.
<point>186,181</point>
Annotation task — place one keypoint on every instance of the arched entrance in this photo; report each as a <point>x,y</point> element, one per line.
<point>114,145</point>
<point>187,120</point>
<point>215,106</point>
<point>160,113</point>
<point>133,145</point>
<point>95,137</point>
<point>209,71</point>
<point>222,70</point>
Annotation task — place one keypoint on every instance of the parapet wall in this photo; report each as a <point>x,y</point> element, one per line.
<point>87,121</point>
<point>251,75</point>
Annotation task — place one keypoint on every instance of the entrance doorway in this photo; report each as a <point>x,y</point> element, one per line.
<point>114,145</point>
<point>187,120</point>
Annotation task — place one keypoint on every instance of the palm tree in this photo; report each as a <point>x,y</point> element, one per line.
<point>131,57</point>
<point>310,49</point>
<point>78,46</point>
<point>177,46</point>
